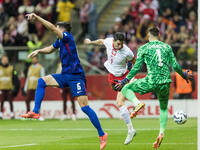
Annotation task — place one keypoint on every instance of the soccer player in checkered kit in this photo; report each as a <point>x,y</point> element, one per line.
<point>118,56</point>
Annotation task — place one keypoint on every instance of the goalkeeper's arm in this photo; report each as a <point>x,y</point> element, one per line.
<point>174,63</point>
<point>185,75</point>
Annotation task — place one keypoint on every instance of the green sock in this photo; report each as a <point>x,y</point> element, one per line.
<point>130,95</point>
<point>163,120</point>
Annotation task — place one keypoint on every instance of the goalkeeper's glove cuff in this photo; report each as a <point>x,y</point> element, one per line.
<point>124,81</point>
<point>185,76</point>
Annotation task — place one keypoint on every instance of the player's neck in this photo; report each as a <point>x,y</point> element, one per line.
<point>151,39</point>
<point>115,48</point>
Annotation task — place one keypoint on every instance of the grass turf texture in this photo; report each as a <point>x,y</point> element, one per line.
<point>80,135</point>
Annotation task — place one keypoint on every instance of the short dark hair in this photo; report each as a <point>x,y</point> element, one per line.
<point>154,31</point>
<point>65,25</point>
<point>119,36</point>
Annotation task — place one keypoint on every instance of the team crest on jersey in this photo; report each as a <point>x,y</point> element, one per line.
<point>114,52</point>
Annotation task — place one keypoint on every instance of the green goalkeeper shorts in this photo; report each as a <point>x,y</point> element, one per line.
<point>143,86</point>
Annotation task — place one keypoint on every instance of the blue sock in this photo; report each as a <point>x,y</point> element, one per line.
<point>93,118</point>
<point>39,95</point>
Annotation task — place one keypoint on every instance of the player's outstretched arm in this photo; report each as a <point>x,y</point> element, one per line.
<point>45,50</point>
<point>185,75</point>
<point>96,42</point>
<point>174,62</point>
<point>47,24</point>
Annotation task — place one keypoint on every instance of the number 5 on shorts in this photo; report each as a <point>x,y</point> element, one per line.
<point>78,86</point>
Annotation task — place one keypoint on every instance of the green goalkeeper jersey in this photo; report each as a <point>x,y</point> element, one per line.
<point>158,57</point>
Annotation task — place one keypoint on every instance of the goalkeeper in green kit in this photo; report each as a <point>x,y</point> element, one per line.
<point>157,56</point>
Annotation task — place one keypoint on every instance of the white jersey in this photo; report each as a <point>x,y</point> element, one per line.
<point>116,63</point>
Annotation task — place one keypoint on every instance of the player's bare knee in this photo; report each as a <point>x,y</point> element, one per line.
<point>120,103</point>
<point>45,79</point>
<point>82,104</point>
<point>120,99</point>
<point>50,81</point>
<point>82,100</point>
<point>41,82</point>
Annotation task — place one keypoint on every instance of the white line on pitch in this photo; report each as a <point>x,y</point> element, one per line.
<point>132,143</point>
<point>79,129</point>
<point>24,145</point>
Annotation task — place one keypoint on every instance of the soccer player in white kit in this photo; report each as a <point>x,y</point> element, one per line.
<point>118,56</point>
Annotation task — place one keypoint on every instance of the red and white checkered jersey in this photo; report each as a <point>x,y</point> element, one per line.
<point>117,60</point>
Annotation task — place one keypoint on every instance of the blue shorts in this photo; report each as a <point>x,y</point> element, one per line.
<point>76,83</point>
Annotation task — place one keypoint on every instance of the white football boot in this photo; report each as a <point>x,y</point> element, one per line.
<point>130,136</point>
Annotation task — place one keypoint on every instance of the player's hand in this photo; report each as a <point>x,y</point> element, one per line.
<point>87,41</point>
<point>31,17</point>
<point>120,84</point>
<point>34,53</point>
<point>187,75</point>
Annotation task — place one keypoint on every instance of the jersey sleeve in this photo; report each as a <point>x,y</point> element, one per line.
<point>56,44</point>
<point>106,42</point>
<point>138,64</point>
<point>174,63</point>
<point>130,55</point>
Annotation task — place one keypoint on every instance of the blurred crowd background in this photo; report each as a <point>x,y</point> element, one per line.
<point>177,20</point>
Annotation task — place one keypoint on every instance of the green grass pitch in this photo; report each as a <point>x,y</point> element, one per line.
<point>80,135</point>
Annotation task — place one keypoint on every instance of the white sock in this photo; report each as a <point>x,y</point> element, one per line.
<point>1,114</point>
<point>125,115</point>
<point>130,126</point>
